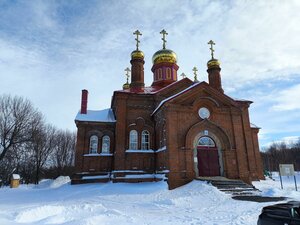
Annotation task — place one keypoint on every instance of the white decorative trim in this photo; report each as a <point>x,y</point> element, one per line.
<point>161,149</point>
<point>173,96</point>
<point>139,151</point>
<point>97,154</point>
<point>162,171</point>
<point>106,154</point>
<point>95,177</point>
<point>128,171</point>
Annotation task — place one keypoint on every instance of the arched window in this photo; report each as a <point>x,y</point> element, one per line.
<point>145,139</point>
<point>174,74</point>
<point>206,141</point>
<point>93,144</point>
<point>169,73</point>
<point>105,144</point>
<point>159,73</point>
<point>133,140</point>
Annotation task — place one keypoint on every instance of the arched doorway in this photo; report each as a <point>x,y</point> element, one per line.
<point>207,157</point>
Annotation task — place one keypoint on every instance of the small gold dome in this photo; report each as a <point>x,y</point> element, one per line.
<point>126,86</point>
<point>213,63</point>
<point>164,55</point>
<point>137,54</point>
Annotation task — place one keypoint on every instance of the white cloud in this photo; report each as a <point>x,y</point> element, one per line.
<point>51,50</point>
<point>289,141</point>
<point>288,99</point>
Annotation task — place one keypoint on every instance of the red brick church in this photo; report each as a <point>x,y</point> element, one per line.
<point>175,130</point>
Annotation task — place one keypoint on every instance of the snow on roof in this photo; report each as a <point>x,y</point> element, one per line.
<point>105,115</point>
<point>16,176</point>
<point>173,96</point>
<point>241,100</point>
<point>252,125</point>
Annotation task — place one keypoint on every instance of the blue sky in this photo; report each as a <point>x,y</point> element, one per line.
<point>50,50</point>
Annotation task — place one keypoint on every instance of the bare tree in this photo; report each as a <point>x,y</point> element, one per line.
<point>41,146</point>
<point>18,121</point>
<point>281,153</point>
<point>63,155</point>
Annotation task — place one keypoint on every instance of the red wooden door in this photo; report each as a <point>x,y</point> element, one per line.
<point>208,161</point>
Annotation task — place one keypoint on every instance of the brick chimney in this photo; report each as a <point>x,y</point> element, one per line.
<point>84,100</point>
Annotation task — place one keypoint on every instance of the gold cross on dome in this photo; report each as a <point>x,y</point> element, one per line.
<point>195,73</point>
<point>137,33</point>
<point>127,70</point>
<point>183,75</point>
<point>211,43</point>
<point>164,33</point>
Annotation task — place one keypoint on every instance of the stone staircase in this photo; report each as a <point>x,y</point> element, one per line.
<point>239,190</point>
<point>230,186</point>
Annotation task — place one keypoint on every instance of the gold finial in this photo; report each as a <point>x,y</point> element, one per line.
<point>183,75</point>
<point>137,33</point>
<point>164,33</point>
<point>195,74</point>
<point>211,43</point>
<point>127,70</point>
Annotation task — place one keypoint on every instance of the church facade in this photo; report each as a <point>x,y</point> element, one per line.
<point>175,130</point>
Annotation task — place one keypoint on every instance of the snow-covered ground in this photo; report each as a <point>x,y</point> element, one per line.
<point>273,188</point>
<point>57,202</point>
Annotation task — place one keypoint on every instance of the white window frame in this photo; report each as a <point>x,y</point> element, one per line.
<point>93,144</point>
<point>105,144</point>
<point>133,140</point>
<point>145,143</point>
<point>209,141</point>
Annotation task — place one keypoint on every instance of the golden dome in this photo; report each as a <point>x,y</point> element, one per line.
<point>126,86</point>
<point>137,54</point>
<point>213,63</point>
<point>164,55</point>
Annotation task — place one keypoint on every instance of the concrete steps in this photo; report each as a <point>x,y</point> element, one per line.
<point>239,190</point>
<point>233,187</point>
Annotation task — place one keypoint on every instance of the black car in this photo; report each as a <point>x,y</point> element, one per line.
<point>283,214</point>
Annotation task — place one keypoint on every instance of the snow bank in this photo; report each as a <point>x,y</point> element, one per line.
<point>129,203</point>
<point>38,213</point>
<point>56,183</point>
<point>60,181</point>
<point>272,187</point>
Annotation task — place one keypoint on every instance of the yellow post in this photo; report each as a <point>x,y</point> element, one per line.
<point>15,181</point>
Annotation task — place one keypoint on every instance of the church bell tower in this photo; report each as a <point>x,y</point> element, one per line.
<point>164,65</point>
<point>213,70</point>
<point>137,66</point>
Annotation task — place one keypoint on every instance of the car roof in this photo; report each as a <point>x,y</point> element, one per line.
<point>289,204</point>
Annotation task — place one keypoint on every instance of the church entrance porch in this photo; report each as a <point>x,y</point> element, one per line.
<point>207,158</point>
<point>208,161</point>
